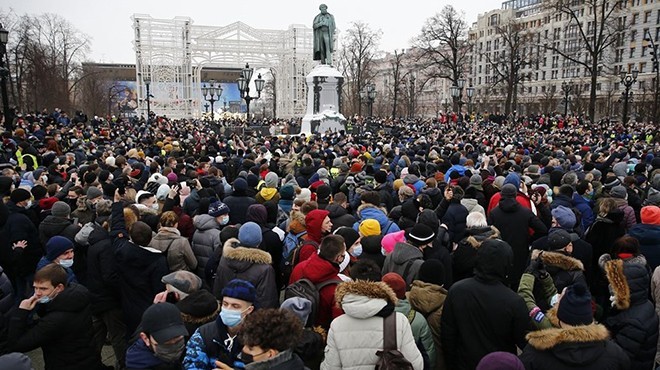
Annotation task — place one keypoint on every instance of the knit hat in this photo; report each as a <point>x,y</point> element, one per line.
<point>514,179</point>
<point>432,272</point>
<point>650,215</point>
<point>56,246</point>
<point>396,282</point>
<point>287,192</point>
<point>250,235</point>
<point>500,361</point>
<point>240,185</point>
<point>199,304</point>
<point>271,180</point>
<point>323,173</point>
<point>509,191</point>
<point>380,177</point>
<point>184,281</point>
<point>172,177</point>
<point>93,192</point>
<point>240,289</point>
<point>558,239</point>
<point>565,217</point>
<point>349,234</point>
<point>618,192</point>
<point>575,306</point>
<point>611,182</point>
<point>163,322</point>
<point>323,192</point>
<point>305,194</point>
<point>60,209</point>
<point>476,181</point>
<point>420,234</point>
<point>356,167</point>
<point>20,195</point>
<point>369,227</point>
<point>301,307</point>
<point>218,208</point>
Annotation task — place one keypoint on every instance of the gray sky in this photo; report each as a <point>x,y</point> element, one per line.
<point>110,26</point>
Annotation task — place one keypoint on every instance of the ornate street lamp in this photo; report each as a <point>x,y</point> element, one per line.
<point>212,93</point>
<point>627,79</point>
<point>244,86</point>
<point>4,72</point>
<point>369,94</point>
<point>470,94</point>
<point>147,83</point>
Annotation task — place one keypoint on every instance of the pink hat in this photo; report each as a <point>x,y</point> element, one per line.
<point>390,240</point>
<point>172,177</point>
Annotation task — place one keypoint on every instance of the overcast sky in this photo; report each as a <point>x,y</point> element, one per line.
<point>110,27</point>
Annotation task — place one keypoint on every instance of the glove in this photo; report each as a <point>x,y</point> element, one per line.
<point>540,272</point>
<point>533,266</point>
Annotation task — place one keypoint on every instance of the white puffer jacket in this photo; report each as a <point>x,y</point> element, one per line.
<point>355,337</point>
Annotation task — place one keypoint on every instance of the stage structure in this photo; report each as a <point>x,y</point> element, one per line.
<point>171,53</point>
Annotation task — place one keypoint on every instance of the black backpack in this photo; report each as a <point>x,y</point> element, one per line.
<point>304,288</point>
<point>390,358</point>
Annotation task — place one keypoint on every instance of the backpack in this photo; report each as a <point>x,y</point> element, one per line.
<point>390,357</point>
<point>290,258</point>
<point>304,288</point>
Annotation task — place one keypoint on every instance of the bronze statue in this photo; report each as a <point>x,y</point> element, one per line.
<point>324,31</point>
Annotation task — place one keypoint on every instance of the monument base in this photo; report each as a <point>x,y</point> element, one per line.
<point>323,101</point>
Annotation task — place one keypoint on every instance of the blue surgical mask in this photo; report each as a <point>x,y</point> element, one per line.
<point>357,250</point>
<point>224,220</point>
<point>44,299</point>
<point>231,318</point>
<point>66,263</point>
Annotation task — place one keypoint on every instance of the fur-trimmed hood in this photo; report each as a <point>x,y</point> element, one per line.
<point>546,339</point>
<point>629,282</point>
<point>479,235</point>
<point>558,260</point>
<point>363,299</point>
<point>232,250</point>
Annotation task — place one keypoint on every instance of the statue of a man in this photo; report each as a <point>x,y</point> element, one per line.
<point>324,31</point>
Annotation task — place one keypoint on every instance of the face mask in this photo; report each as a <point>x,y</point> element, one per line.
<point>224,221</point>
<point>247,358</point>
<point>554,300</point>
<point>66,263</point>
<point>231,318</point>
<point>155,206</point>
<point>45,299</point>
<point>357,250</point>
<point>29,204</point>
<point>170,352</point>
<point>382,251</point>
<point>44,178</point>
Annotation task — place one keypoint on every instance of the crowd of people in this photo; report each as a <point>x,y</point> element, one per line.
<point>422,244</point>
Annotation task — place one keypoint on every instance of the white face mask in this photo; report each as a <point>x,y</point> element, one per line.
<point>66,263</point>
<point>224,220</point>
<point>29,204</point>
<point>155,206</point>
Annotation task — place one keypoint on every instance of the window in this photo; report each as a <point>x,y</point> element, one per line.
<point>633,35</point>
<point>543,75</point>
<point>647,16</point>
<point>642,66</point>
<point>632,52</point>
<point>635,18</point>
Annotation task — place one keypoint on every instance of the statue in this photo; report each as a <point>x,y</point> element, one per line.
<point>324,31</point>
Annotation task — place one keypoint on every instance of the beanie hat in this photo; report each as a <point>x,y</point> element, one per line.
<point>420,234</point>
<point>500,361</point>
<point>618,192</point>
<point>47,203</point>
<point>287,192</point>
<point>650,215</point>
<point>305,194</point>
<point>356,167</point>
<point>218,208</point>
<point>56,246</point>
<point>19,195</point>
<point>110,161</point>
<point>60,209</point>
<point>250,235</point>
<point>509,191</point>
<point>323,173</point>
<point>323,192</point>
<point>172,177</point>
<point>396,282</point>
<point>611,181</point>
<point>380,177</point>
<point>512,178</point>
<point>558,239</point>
<point>575,306</point>
<point>369,227</point>
<point>271,180</point>
<point>252,180</point>
<point>432,272</point>
<point>240,289</point>
<point>476,181</point>
<point>349,234</point>
<point>565,217</point>
<point>93,192</point>
<point>240,184</point>
<point>301,307</point>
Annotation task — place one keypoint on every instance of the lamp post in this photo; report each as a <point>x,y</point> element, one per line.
<point>566,87</point>
<point>212,93</point>
<point>654,59</point>
<point>147,82</point>
<point>4,72</point>
<point>244,86</point>
<point>470,93</point>
<point>456,92</point>
<point>627,79</point>
<point>445,104</point>
<point>368,94</point>
<point>206,108</point>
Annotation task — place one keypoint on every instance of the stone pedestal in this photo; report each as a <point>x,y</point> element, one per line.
<point>324,84</point>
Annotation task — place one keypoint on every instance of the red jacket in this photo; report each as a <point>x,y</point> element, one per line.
<point>318,270</point>
<point>520,198</point>
<point>313,222</point>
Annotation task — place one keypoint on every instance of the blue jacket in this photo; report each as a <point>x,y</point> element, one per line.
<point>458,168</point>
<point>368,211</point>
<point>209,343</point>
<point>586,210</point>
<point>649,242</point>
<point>71,277</point>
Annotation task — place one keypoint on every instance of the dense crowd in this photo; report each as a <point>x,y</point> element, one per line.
<point>470,243</point>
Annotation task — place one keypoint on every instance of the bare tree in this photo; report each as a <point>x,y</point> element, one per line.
<point>549,100</point>
<point>356,61</point>
<point>444,44</point>
<point>592,27</point>
<point>396,63</point>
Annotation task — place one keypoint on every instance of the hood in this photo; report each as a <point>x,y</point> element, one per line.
<point>425,297</point>
<point>509,205</point>
<point>629,283</point>
<point>242,258</point>
<point>646,234</point>
<point>313,222</point>
<point>477,236</point>
<point>470,204</point>
<point>494,261</point>
<point>404,252</point>
<point>587,339</point>
<point>258,214</point>
<point>97,235</point>
<point>432,192</point>
<point>74,298</point>
<point>363,299</point>
<point>318,270</point>
<point>336,210</point>
<point>367,211</point>
<point>205,222</point>
<point>409,210</point>
<point>268,193</point>
<point>558,260</point>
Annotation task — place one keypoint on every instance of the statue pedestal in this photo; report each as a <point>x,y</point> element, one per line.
<point>323,101</point>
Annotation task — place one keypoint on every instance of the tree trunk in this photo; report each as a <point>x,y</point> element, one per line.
<point>592,89</point>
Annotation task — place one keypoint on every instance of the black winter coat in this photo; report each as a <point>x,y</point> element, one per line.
<point>52,226</point>
<point>464,257</point>
<point>238,205</point>
<point>582,251</point>
<point>339,216</point>
<point>102,276</point>
<point>453,214</point>
<point>23,262</point>
<point>63,331</point>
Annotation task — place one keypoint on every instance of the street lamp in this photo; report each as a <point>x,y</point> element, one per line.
<point>566,87</point>
<point>627,79</point>
<point>654,59</point>
<point>147,82</point>
<point>244,86</point>
<point>212,93</point>
<point>470,93</point>
<point>445,104</point>
<point>4,72</point>
<point>206,108</point>
<point>369,94</point>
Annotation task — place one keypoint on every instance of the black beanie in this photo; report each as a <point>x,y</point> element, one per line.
<point>432,272</point>
<point>19,195</point>
<point>380,177</point>
<point>575,306</point>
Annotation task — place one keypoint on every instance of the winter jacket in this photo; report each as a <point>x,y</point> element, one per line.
<point>563,269</point>
<point>63,331</point>
<point>582,251</point>
<point>629,219</point>
<point>267,194</point>
<point>140,271</point>
<point>369,211</point>
<point>482,315</point>
<point>420,328</point>
<point>603,232</point>
<point>521,198</point>
<point>238,204</point>
<point>355,337</point>
<point>339,216</point>
<point>52,226</point>
<point>249,264</point>
<point>21,261</point>
<point>285,360</point>
<point>453,215</point>
<point>208,344</point>
<point>513,221</point>
<point>633,321</point>
<point>318,270</point>
<point>179,254</point>
<point>385,191</point>
<point>405,260</point>
<point>655,295</point>
<point>586,210</point>
<point>205,241</point>
<point>141,357</point>
<point>312,239</point>
<point>585,347</point>
<point>649,242</point>
<point>102,272</point>
<point>465,255</point>
<point>428,299</point>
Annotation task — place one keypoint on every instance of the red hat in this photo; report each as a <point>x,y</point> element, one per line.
<point>396,282</point>
<point>47,203</point>
<point>356,167</point>
<point>650,215</point>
